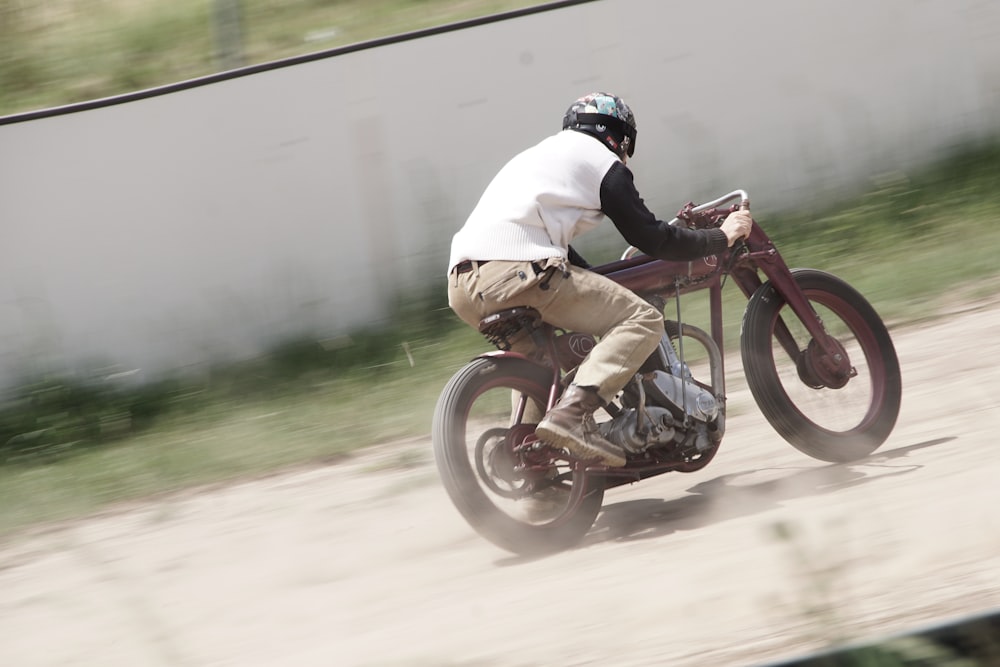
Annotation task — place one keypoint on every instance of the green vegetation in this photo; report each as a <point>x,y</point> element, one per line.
<point>84,450</point>
<point>63,51</point>
<point>70,446</point>
<point>912,237</point>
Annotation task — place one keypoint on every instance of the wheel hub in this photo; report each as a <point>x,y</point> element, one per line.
<point>502,464</point>
<point>502,467</point>
<point>818,369</point>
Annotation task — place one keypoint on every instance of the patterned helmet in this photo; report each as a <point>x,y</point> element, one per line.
<point>606,117</point>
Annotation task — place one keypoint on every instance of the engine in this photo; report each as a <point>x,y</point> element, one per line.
<point>625,430</point>
<point>669,408</point>
<point>683,395</point>
<point>677,413</point>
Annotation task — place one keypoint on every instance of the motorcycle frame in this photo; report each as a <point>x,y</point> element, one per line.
<point>743,263</point>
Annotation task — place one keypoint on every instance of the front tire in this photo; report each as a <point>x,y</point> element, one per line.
<point>836,418</point>
<point>524,500</point>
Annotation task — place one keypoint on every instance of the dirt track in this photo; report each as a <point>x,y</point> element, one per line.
<point>359,564</point>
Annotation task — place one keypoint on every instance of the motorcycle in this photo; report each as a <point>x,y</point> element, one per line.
<point>818,360</point>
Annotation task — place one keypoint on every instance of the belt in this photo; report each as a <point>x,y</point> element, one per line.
<point>468,265</point>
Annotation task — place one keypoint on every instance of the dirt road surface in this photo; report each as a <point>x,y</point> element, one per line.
<point>764,554</point>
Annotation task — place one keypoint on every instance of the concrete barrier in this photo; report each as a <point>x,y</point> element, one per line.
<point>200,222</point>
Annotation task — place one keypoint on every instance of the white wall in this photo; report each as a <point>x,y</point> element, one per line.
<point>204,223</point>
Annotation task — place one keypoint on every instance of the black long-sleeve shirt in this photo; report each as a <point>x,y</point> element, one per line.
<point>548,194</point>
<point>621,202</point>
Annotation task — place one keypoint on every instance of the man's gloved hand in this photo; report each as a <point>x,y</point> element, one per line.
<point>737,226</point>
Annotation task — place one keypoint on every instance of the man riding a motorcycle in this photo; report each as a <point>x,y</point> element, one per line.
<point>514,250</point>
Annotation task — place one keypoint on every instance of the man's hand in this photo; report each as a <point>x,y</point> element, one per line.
<point>737,226</point>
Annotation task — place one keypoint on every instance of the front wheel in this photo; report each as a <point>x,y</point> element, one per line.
<point>833,410</point>
<point>517,493</point>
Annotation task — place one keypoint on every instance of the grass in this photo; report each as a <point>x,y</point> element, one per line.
<point>223,436</point>
<point>911,243</point>
<point>64,51</point>
<point>255,420</point>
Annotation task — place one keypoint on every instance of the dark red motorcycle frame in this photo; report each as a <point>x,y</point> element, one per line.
<point>517,465</point>
<point>742,263</point>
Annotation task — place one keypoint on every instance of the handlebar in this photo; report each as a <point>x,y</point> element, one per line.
<point>744,204</point>
<point>742,194</point>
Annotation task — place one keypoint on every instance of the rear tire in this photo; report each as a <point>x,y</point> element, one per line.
<point>525,505</point>
<point>836,419</point>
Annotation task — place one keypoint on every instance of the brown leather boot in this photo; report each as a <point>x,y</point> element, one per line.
<point>570,424</point>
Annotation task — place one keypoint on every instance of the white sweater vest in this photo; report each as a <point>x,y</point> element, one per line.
<point>538,202</point>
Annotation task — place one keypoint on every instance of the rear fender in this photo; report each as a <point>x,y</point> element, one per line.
<point>555,388</point>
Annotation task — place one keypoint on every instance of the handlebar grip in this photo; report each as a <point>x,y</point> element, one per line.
<point>745,204</point>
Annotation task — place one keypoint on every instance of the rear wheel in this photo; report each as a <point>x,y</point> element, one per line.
<point>517,493</point>
<point>838,407</point>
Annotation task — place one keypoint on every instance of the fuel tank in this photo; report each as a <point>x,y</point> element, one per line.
<point>645,275</point>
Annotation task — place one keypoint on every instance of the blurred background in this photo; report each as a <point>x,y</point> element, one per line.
<point>224,226</point>
<point>257,210</point>
<point>55,52</point>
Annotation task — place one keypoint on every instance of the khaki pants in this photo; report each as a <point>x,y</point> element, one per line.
<point>628,328</point>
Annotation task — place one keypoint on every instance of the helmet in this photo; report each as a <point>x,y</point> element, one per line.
<point>606,117</point>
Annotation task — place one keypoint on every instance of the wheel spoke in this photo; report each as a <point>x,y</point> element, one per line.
<point>519,494</point>
<point>837,400</point>
<point>506,479</point>
<point>840,409</point>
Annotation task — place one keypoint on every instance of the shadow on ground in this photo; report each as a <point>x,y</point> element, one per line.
<point>742,494</point>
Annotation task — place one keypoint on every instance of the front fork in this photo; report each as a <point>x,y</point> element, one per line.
<point>759,254</point>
